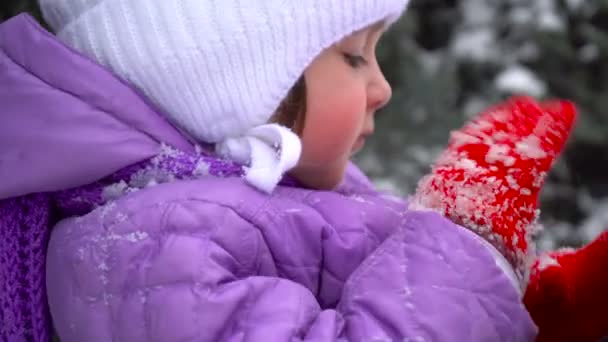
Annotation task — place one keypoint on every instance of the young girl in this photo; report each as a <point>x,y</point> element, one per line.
<point>193,159</point>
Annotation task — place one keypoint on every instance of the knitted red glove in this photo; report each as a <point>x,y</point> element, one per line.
<point>489,177</point>
<point>568,294</point>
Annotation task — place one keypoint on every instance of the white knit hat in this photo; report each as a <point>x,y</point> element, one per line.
<point>217,68</point>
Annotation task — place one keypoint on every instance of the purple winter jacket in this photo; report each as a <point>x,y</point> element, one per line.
<point>212,259</point>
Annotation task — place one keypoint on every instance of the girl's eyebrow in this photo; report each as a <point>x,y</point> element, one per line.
<point>378,27</point>
<point>375,32</point>
<point>368,36</point>
<point>354,39</point>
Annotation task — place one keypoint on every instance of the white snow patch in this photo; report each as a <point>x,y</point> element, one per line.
<point>478,12</point>
<point>589,53</point>
<point>131,237</point>
<point>521,16</point>
<point>550,21</point>
<point>547,18</point>
<point>518,79</point>
<point>530,148</point>
<point>201,169</point>
<point>596,223</point>
<point>431,62</point>
<point>465,164</point>
<point>115,190</point>
<point>167,151</point>
<point>103,266</point>
<point>500,153</point>
<point>546,261</point>
<point>459,138</point>
<point>477,45</point>
<point>575,4</point>
<point>358,198</point>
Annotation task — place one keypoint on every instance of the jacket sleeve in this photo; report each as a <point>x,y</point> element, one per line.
<point>191,279</point>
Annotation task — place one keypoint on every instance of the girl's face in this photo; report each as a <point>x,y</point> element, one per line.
<point>345,87</point>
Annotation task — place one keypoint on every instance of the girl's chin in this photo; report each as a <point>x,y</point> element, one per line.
<point>323,178</point>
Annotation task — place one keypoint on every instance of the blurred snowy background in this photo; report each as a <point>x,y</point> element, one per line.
<point>449,59</point>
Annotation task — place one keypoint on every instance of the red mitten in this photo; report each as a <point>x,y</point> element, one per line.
<point>489,177</point>
<point>568,294</point>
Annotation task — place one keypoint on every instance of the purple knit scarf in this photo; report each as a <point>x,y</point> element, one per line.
<point>25,224</point>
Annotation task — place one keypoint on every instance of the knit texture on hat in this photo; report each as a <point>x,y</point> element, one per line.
<point>217,68</point>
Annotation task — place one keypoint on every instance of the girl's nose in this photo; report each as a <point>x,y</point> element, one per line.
<point>379,91</point>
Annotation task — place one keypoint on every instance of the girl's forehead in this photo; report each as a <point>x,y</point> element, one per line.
<point>368,32</point>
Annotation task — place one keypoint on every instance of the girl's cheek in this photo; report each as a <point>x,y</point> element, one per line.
<point>330,133</point>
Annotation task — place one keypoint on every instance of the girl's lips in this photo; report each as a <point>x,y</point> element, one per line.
<point>359,144</point>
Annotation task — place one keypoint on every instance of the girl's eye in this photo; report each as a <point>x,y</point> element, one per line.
<point>354,61</point>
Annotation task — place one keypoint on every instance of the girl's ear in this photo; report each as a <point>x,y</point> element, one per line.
<point>292,110</point>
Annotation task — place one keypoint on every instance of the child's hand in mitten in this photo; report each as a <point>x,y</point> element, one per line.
<point>568,293</point>
<point>489,177</point>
